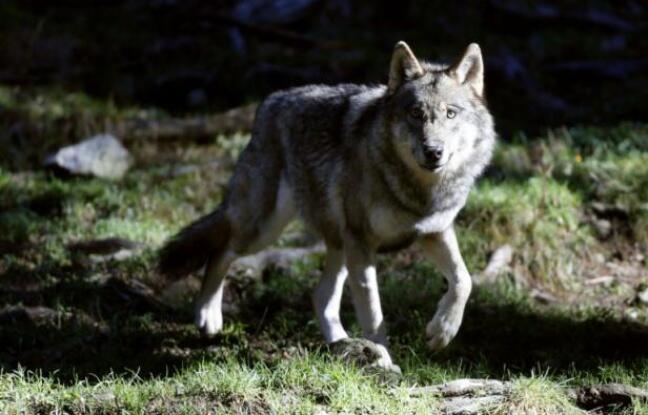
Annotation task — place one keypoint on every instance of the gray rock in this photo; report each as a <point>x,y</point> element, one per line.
<point>101,156</point>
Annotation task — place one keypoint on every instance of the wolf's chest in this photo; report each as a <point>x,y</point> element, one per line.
<point>390,225</point>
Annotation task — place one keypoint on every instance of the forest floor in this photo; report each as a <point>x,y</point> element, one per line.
<point>85,329</point>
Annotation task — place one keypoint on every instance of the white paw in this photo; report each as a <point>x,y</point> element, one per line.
<point>441,330</point>
<point>209,320</point>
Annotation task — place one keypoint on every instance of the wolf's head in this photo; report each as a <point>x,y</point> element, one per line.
<point>436,113</point>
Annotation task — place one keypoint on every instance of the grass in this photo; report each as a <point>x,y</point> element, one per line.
<point>537,396</point>
<point>105,348</point>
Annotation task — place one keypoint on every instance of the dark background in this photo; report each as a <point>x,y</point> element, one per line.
<point>547,63</point>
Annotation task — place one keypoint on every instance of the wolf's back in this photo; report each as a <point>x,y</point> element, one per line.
<point>192,247</point>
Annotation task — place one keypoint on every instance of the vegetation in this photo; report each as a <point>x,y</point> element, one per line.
<point>92,333</point>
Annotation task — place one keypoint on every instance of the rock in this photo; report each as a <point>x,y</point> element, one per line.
<point>642,296</point>
<point>368,355</point>
<point>101,156</point>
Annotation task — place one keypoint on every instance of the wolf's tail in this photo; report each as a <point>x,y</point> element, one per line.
<point>190,249</point>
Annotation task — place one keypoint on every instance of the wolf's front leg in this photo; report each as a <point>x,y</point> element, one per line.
<point>366,299</point>
<point>444,250</point>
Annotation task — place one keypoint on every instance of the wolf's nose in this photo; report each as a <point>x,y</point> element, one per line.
<point>433,153</point>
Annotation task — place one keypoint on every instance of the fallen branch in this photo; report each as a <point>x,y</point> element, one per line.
<point>235,120</point>
<point>274,258</point>
<point>475,396</point>
<point>608,394</point>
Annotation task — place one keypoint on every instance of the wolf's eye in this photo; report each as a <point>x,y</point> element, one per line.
<point>450,113</point>
<point>417,113</point>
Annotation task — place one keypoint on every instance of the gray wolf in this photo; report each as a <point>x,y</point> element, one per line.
<point>369,169</point>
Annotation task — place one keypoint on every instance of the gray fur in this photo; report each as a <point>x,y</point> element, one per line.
<point>351,160</point>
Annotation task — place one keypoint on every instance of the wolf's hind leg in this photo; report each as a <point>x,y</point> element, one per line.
<point>268,227</point>
<point>328,296</point>
<point>209,317</point>
<point>444,250</point>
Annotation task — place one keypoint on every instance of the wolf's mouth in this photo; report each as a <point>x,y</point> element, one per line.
<point>434,167</point>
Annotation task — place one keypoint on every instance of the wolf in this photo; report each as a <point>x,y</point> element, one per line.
<point>369,169</point>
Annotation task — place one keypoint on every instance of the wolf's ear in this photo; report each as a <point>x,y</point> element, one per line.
<point>404,66</point>
<point>470,69</point>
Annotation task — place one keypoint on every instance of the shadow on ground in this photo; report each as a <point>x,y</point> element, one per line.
<point>102,328</point>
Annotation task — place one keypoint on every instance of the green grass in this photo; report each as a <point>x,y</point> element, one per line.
<point>538,216</point>
<point>108,350</point>
<point>537,396</point>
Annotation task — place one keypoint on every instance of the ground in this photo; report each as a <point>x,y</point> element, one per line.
<point>94,333</point>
